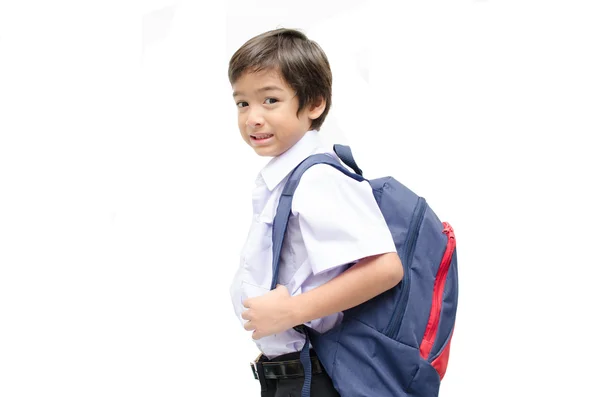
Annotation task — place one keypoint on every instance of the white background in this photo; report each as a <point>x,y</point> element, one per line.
<point>125,187</point>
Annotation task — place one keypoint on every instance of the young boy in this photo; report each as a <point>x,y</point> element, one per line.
<point>338,251</point>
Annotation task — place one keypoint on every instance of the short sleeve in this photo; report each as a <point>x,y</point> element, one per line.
<point>340,221</point>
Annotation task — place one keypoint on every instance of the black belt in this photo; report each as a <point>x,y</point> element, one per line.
<point>283,369</point>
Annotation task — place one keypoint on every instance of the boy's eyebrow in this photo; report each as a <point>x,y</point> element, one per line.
<point>267,88</point>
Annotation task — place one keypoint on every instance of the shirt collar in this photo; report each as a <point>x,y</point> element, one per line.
<point>279,167</point>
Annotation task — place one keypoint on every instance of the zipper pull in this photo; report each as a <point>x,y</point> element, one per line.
<point>448,230</point>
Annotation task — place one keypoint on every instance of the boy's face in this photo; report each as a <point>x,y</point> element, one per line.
<point>267,112</point>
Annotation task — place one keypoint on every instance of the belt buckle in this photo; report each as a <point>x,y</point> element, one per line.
<point>254,367</point>
<point>254,370</point>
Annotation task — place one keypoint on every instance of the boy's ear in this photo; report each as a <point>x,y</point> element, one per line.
<point>316,109</point>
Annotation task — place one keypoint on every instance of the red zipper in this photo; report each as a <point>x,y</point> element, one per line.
<point>438,294</point>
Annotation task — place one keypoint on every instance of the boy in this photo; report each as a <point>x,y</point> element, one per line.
<point>338,251</point>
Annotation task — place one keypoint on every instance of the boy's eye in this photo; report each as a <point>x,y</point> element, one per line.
<point>271,101</point>
<point>241,104</point>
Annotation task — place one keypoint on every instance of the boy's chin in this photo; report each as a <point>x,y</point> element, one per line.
<point>266,152</point>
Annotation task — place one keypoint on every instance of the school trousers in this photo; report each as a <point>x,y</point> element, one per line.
<point>283,376</point>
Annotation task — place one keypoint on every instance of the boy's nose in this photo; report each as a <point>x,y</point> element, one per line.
<point>253,123</point>
<point>254,119</point>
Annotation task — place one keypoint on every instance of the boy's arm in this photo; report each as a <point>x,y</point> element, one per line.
<point>277,311</point>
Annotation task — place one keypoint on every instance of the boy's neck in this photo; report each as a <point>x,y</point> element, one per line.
<point>280,166</point>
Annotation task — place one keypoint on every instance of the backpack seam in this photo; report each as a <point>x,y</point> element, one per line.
<point>382,333</point>
<point>337,347</point>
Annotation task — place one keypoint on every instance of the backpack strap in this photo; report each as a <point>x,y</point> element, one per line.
<point>284,210</point>
<point>345,154</point>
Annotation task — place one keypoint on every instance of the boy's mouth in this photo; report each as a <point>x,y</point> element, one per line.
<point>260,137</point>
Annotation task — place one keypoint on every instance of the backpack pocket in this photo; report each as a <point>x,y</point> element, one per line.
<point>406,256</point>
<point>426,382</point>
<point>367,363</point>
<point>435,345</point>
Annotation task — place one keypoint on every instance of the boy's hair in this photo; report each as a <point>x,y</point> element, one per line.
<point>301,62</point>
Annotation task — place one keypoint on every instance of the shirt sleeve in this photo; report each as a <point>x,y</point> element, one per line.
<point>339,219</point>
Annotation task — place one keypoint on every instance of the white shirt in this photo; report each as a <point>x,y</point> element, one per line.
<point>335,222</point>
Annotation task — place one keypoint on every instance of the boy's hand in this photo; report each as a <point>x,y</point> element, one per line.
<point>269,314</point>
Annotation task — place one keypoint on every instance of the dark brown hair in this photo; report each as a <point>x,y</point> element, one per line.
<point>301,62</point>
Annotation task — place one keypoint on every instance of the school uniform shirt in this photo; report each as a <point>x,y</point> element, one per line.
<point>335,222</point>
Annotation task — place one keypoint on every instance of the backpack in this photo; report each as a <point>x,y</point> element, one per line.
<point>398,343</point>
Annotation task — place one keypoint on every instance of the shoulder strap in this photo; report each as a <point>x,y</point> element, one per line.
<point>345,154</point>
<point>284,208</point>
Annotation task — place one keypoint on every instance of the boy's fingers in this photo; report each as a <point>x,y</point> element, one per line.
<point>245,315</point>
<point>248,326</point>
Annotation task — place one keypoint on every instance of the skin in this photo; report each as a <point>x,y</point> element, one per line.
<point>267,104</point>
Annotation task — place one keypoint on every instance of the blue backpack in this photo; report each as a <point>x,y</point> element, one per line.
<point>398,343</point>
